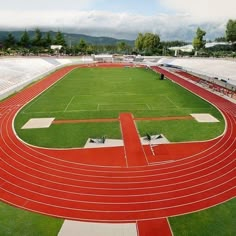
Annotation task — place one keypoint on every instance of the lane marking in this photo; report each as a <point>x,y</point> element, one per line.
<point>69,103</point>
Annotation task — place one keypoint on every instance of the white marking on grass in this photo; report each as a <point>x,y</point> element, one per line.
<point>43,112</point>
<point>98,109</point>
<point>71,111</point>
<point>123,106</point>
<point>172,102</point>
<point>149,108</point>
<point>172,233</point>
<point>69,103</point>
<point>29,106</point>
<point>44,92</point>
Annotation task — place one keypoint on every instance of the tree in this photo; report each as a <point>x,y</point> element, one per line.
<point>220,39</point>
<point>151,43</point>
<point>109,48</point>
<point>37,40</point>
<point>139,42</point>
<point>47,40</point>
<point>82,46</point>
<point>90,49</point>
<point>231,31</point>
<point>175,43</point>
<point>25,40</point>
<point>10,41</point>
<point>122,47</point>
<point>60,39</point>
<point>198,42</point>
<point>147,43</point>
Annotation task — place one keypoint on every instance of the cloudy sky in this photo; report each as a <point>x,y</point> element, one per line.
<point>171,19</point>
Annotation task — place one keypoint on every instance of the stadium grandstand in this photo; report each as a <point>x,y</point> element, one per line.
<point>189,47</point>
<point>16,73</point>
<point>222,69</point>
<point>136,185</point>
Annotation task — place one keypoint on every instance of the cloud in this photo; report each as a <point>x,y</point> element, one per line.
<point>24,5</point>
<point>203,10</point>
<point>179,26</point>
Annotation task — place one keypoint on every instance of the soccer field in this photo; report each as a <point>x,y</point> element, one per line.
<point>96,93</point>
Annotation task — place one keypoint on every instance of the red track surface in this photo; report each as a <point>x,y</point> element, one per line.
<point>134,152</point>
<point>97,184</point>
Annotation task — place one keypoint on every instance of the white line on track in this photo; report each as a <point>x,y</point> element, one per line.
<point>120,211</point>
<point>190,188</point>
<point>230,135</point>
<point>142,171</point>
<point>215,150</point>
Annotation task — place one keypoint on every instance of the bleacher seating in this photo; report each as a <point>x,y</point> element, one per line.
<point>207,84</point>
<point>221,68</point>
<point>16,73</point>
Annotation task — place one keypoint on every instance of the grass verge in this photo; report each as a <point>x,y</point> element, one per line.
<point>219,220</point>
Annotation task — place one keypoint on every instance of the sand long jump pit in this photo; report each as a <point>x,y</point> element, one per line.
<point>204,118</point>
<point>38,123</point>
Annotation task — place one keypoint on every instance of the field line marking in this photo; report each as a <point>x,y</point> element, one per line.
<point>98,108</point>
<point>32,103</point>
<point>171,101</point>
<point>149,108</point>
<point>42,112</point>
<point>43,94</point>
<point>71,111</point>
<point>69,103</point>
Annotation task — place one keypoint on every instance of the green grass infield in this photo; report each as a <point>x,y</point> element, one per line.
<point>93,93</point>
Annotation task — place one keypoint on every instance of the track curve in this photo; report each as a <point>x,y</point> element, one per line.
<point>53,182</point>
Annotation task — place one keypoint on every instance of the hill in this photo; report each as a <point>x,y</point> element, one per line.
<point>72,38</point>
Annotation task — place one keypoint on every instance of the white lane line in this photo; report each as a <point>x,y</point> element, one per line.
<point>164,168</point>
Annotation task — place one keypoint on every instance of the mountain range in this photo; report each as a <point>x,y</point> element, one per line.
<point>71,38</point>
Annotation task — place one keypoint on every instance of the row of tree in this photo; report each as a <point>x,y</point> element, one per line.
<point>85,48</point>
<point>38,40</point>
<point>41,43</point>
<point>230,36</point>
<point>145,44</point>
<point>148,43</point>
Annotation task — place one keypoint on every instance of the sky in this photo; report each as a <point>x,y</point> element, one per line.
<point>123,19</point>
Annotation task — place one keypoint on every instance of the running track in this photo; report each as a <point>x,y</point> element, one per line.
<point>58,183</point>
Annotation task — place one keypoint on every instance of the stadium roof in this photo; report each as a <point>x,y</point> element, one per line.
<point>189,47</point>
